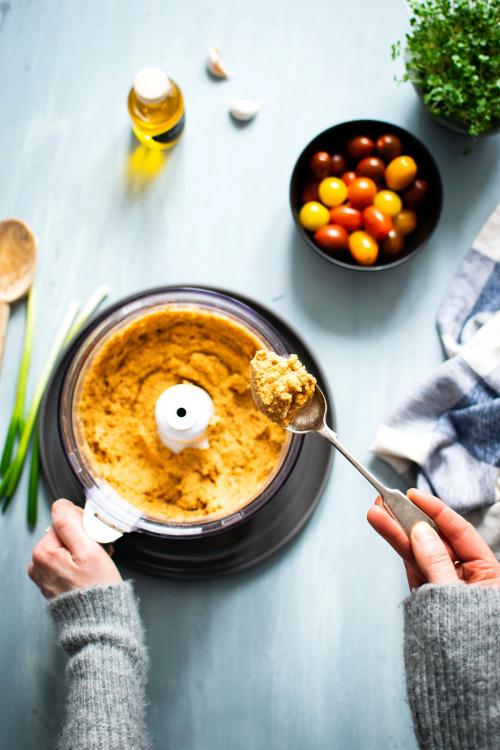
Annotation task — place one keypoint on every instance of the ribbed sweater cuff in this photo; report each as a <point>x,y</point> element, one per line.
<point>94,610</point>
<point>452,659</point>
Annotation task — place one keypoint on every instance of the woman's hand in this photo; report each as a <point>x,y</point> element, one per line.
<point>66,558</point>
<point>457,553</point>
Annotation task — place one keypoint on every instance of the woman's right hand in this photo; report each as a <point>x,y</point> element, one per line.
<point>456,554</point>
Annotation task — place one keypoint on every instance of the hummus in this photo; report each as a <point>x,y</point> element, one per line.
<point>280,386</point>
<point>116,416</point>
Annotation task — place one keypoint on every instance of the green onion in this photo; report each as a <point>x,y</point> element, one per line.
<point>34,478</point>
<point>13,474</point>
<point>17,420</point>
<point>85,313</point>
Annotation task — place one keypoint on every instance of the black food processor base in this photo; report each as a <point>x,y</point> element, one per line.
<point>255,539</point>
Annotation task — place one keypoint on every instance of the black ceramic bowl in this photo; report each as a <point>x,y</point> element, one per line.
<point>334,140</point>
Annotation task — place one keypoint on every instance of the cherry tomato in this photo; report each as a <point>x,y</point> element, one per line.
<point>348,177</point>
<point>415,195</point>
<point>363,248</point>
<point>371,166</point>
<point>361,192</point>
<point>313,215</point>
<point>389,147</point>
<point>376,223</point>
<point>320,164</point>
<point>331,237</point>
<point>347,217</point>
<point>332,191</point>
<point>388,202</point>
<point>400,172</point>
<point>393,244</point>
<point>405,222</point>
<point>310,192</point>
<point>337,164</point>
<point>359,147</point>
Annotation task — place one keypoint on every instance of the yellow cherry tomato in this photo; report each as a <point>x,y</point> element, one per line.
<point>332,191</point>
<point>388,202</point>
<point>400,172</point>
<point>405,222</point>
<point>313,215</point>
<point>363,248</point>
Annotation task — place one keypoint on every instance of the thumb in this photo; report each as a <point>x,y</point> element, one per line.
<point>67,523</point>
<point>431,554</point>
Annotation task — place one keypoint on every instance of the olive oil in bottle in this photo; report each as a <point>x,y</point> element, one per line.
<point>156,108</point>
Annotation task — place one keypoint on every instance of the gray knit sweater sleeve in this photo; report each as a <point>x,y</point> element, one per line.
<point>452,660</point>
<point>101,631</point>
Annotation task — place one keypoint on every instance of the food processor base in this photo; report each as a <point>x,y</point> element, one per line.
<point>241,546</point>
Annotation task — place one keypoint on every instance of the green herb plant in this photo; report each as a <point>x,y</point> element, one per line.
<point>452,55</point>
<point>24,429</point>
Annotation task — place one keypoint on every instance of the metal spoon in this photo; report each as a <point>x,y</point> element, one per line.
<point>17,268</point>
<point>312,418</point>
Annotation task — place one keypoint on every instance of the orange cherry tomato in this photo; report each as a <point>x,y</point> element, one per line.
<point>400,172</point>
<point>331,237</point>
<point>348,177</point>
<point>361,192</point>
<point>363,248</point>
<point>376,223</point>
<point>405,222</point>
<point>388,202</point>
<point>347,217</point>
<point>310,192</point>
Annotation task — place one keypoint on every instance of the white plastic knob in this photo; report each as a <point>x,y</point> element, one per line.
<point>183,413</point>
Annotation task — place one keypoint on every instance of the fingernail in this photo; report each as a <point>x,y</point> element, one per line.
<point>421,531</point>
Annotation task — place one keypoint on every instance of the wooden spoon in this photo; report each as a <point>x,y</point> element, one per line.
<point>17,268</point>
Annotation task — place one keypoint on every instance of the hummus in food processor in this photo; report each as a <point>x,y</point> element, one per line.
<point>281,386</point>
<point>115,412</point>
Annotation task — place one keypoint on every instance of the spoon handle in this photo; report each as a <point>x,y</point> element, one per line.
<point>4,319</point>
<point>406,513</point>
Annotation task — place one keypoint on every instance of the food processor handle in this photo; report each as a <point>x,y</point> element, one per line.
<point>96,528</point>
<point>406,513</point>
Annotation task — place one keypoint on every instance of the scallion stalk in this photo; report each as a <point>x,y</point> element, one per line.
<point>17,420</point>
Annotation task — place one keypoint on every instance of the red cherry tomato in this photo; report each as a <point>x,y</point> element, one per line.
<point>320,164</point>
<point>361,192</point>
<point>363,248</point>
<point>416,194</point>
<point>389,147</point>
<point>376,223</point>
<point>310,192</point>
<point>347,217</point>
<point>393,244</point>
<point>371,166</point>
<point>359,147</point>
<point>337,164</point>
<point>331,237</point>
<point>348,177</point>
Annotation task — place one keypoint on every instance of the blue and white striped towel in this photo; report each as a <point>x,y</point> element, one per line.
<point>449,427</point>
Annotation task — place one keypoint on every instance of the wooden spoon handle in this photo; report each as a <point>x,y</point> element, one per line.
<point>4,319</point>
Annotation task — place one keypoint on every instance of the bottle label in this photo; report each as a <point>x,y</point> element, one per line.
<point>172,134</point>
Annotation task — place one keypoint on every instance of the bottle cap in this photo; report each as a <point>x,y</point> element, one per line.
<point>151,85</point>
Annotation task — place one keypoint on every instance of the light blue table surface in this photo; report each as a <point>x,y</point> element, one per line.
<point>303,652</point>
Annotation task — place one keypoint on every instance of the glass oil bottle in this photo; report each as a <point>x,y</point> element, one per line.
<point>156,108</point>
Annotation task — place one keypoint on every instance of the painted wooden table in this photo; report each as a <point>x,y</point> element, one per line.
<point>303,652</point>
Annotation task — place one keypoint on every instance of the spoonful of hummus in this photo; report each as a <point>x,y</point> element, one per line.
<point>280,386</point>
<point>286,393</point>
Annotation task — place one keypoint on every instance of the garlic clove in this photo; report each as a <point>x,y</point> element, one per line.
<point>244,109</point>
<point>214,64</point>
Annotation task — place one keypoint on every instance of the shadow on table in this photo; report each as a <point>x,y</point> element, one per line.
<point>143,167</point>
<point>342,300</point>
